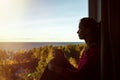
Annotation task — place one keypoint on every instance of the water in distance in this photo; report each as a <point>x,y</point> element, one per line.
<point>29,45</point>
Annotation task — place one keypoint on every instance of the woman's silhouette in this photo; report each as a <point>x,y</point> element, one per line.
<point>89,65</point>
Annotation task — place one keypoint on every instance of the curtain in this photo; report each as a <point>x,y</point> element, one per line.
<point>110,39</point>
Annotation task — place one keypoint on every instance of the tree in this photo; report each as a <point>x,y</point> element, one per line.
<point>3,56</point>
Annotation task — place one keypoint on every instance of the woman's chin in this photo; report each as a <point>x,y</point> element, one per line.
<point>80,37</point>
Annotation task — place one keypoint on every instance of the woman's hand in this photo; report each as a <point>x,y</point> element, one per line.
<point>58,53</point>
<point>59,58</point>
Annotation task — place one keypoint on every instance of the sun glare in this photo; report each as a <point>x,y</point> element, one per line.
<point>11,14</point>
<point>29,20</point>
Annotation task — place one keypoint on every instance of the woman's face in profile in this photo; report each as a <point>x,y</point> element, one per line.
<point>82,31</point>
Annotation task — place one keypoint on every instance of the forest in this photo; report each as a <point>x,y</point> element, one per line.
<point>30,64</point>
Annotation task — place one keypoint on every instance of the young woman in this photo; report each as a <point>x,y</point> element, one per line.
<point>89,65</point>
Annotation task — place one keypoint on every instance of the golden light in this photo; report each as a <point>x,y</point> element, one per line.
<point>11,12</point>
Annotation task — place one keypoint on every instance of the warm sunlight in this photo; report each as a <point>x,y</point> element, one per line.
<point>30,30</point>
<point>11,14</point>
<point>41,21</point>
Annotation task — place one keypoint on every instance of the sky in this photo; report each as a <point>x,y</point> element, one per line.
<point>41,20</point>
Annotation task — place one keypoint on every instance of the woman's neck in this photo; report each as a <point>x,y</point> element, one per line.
<point>90,43</point>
